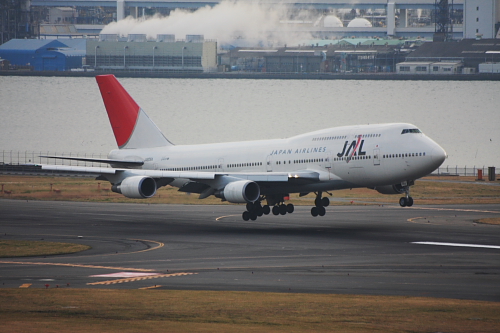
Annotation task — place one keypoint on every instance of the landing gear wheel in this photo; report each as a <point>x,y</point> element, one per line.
<point>290,208</point>
<point>403,202</point>
<point>250,206</point>
<point>253,216</point>
<point>325,202</point>
<point>246,216</point>
<point>282,209</point>
<point>314,211</point>
<point>266,210</point>
<point>318,202</point>
<point>321,211</point>
<point>276,210</point>
<point>410,202</point>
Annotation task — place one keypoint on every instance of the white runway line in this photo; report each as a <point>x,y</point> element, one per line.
<point>458,245</point>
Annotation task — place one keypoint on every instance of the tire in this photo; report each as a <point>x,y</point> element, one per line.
<point>253,216</point>
<point>410,202</point>
<point>403,202</point>
<point>245,216</point>
<point>314,211</point>
<point>290,208</point>
<point>250,206</point>
<point>318,203</point>
<point>321,211</point>
<point>325,202</point>
<point>266,209</point>
<point>282,209</point>
<point>276,210</point>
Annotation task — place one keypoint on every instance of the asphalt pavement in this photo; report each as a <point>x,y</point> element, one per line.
<point>434,251</point>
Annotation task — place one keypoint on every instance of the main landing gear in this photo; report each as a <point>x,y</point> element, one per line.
<point>406,201</point>
<point>255,209</point>
<point>320,204</point>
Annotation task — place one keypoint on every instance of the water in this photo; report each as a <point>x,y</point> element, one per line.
<point>67,114</point>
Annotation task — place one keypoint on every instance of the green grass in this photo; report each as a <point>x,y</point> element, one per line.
<point>83,310</point>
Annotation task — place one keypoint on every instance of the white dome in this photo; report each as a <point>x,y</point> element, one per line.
<point>359,22</point>
<point>332,21</point>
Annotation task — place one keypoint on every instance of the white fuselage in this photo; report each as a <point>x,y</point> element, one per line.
<point>344,157</point>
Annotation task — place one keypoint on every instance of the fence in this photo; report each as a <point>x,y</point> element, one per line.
<point>456,171</point>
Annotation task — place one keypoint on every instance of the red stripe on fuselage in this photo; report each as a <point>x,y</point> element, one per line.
<point>122,109</point>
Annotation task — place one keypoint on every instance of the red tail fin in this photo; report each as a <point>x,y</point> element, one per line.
<point>122,109</point>
<point>131,126</point>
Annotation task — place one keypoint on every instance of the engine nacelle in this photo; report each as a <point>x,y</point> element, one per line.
<point>137,187</point>
<point>241,191</point>
<point>390,189</point>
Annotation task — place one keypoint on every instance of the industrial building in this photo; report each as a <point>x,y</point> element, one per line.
<point>338,56</point>
<point>44,54</point>
<point>165,53</point>
<point>467,53</point>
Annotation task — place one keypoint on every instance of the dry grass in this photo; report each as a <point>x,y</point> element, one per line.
<point>491,220</point>
<point>20,248</point>
<point>82,310</point>
<point>425,191</point>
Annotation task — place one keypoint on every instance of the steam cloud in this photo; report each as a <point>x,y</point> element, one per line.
<point>229,22</point>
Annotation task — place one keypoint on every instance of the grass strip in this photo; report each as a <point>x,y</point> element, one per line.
<point>22,248</point>
<point>153,310</point>
<point>446,190</point>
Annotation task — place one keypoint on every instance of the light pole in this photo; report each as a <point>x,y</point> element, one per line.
<point>95,55</point>
<point>183,48</point>
<point>124,63</point>
<point>154,48</point>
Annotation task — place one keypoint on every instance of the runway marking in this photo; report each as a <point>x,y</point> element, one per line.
<point>160,244</point>
<point>451,209</point>
<point>140,278</point>
<point>26,285</point>
<point>458,245</point>
<point>77,265</point>
<point>223,217</point>
<point>124,275</point>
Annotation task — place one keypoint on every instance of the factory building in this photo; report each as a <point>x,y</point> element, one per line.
<point>338,56</point>
<point>165,53</point>
<point>467,53</point>
<point>44,54</point>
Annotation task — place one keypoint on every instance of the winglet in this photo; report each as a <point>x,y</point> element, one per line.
<point>131,126</point>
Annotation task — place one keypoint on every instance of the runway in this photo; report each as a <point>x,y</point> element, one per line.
<point>434,251</point>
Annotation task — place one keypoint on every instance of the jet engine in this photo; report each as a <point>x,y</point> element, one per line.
<point>390,189</point>
<point>137,187</point>
<point>241,191</point>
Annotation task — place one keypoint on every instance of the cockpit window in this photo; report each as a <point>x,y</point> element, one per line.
<point>411,130</point>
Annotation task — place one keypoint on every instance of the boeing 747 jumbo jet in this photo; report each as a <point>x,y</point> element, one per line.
<point>261,174</point>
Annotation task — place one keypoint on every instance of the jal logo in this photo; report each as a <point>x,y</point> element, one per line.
<point>353,149</point>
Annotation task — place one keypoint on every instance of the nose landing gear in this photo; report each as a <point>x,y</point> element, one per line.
<point>406,201</point>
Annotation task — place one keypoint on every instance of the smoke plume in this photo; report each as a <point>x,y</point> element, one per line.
<point>229,22</point>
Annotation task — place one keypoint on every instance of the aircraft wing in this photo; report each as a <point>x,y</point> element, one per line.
<point>306,175</point>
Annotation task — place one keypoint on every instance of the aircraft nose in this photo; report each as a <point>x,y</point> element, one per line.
<point>438,155</point>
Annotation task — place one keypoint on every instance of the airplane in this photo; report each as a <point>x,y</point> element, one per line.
<point>261,174</point>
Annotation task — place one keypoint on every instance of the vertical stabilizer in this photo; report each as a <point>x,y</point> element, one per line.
<point>131,125</point>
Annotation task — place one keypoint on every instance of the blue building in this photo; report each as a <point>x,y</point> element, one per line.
<point>45,54</point>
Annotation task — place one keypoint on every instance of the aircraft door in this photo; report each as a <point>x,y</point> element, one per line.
<point>269,163</point>
<point>328,163</point>
<point>376,156</point>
